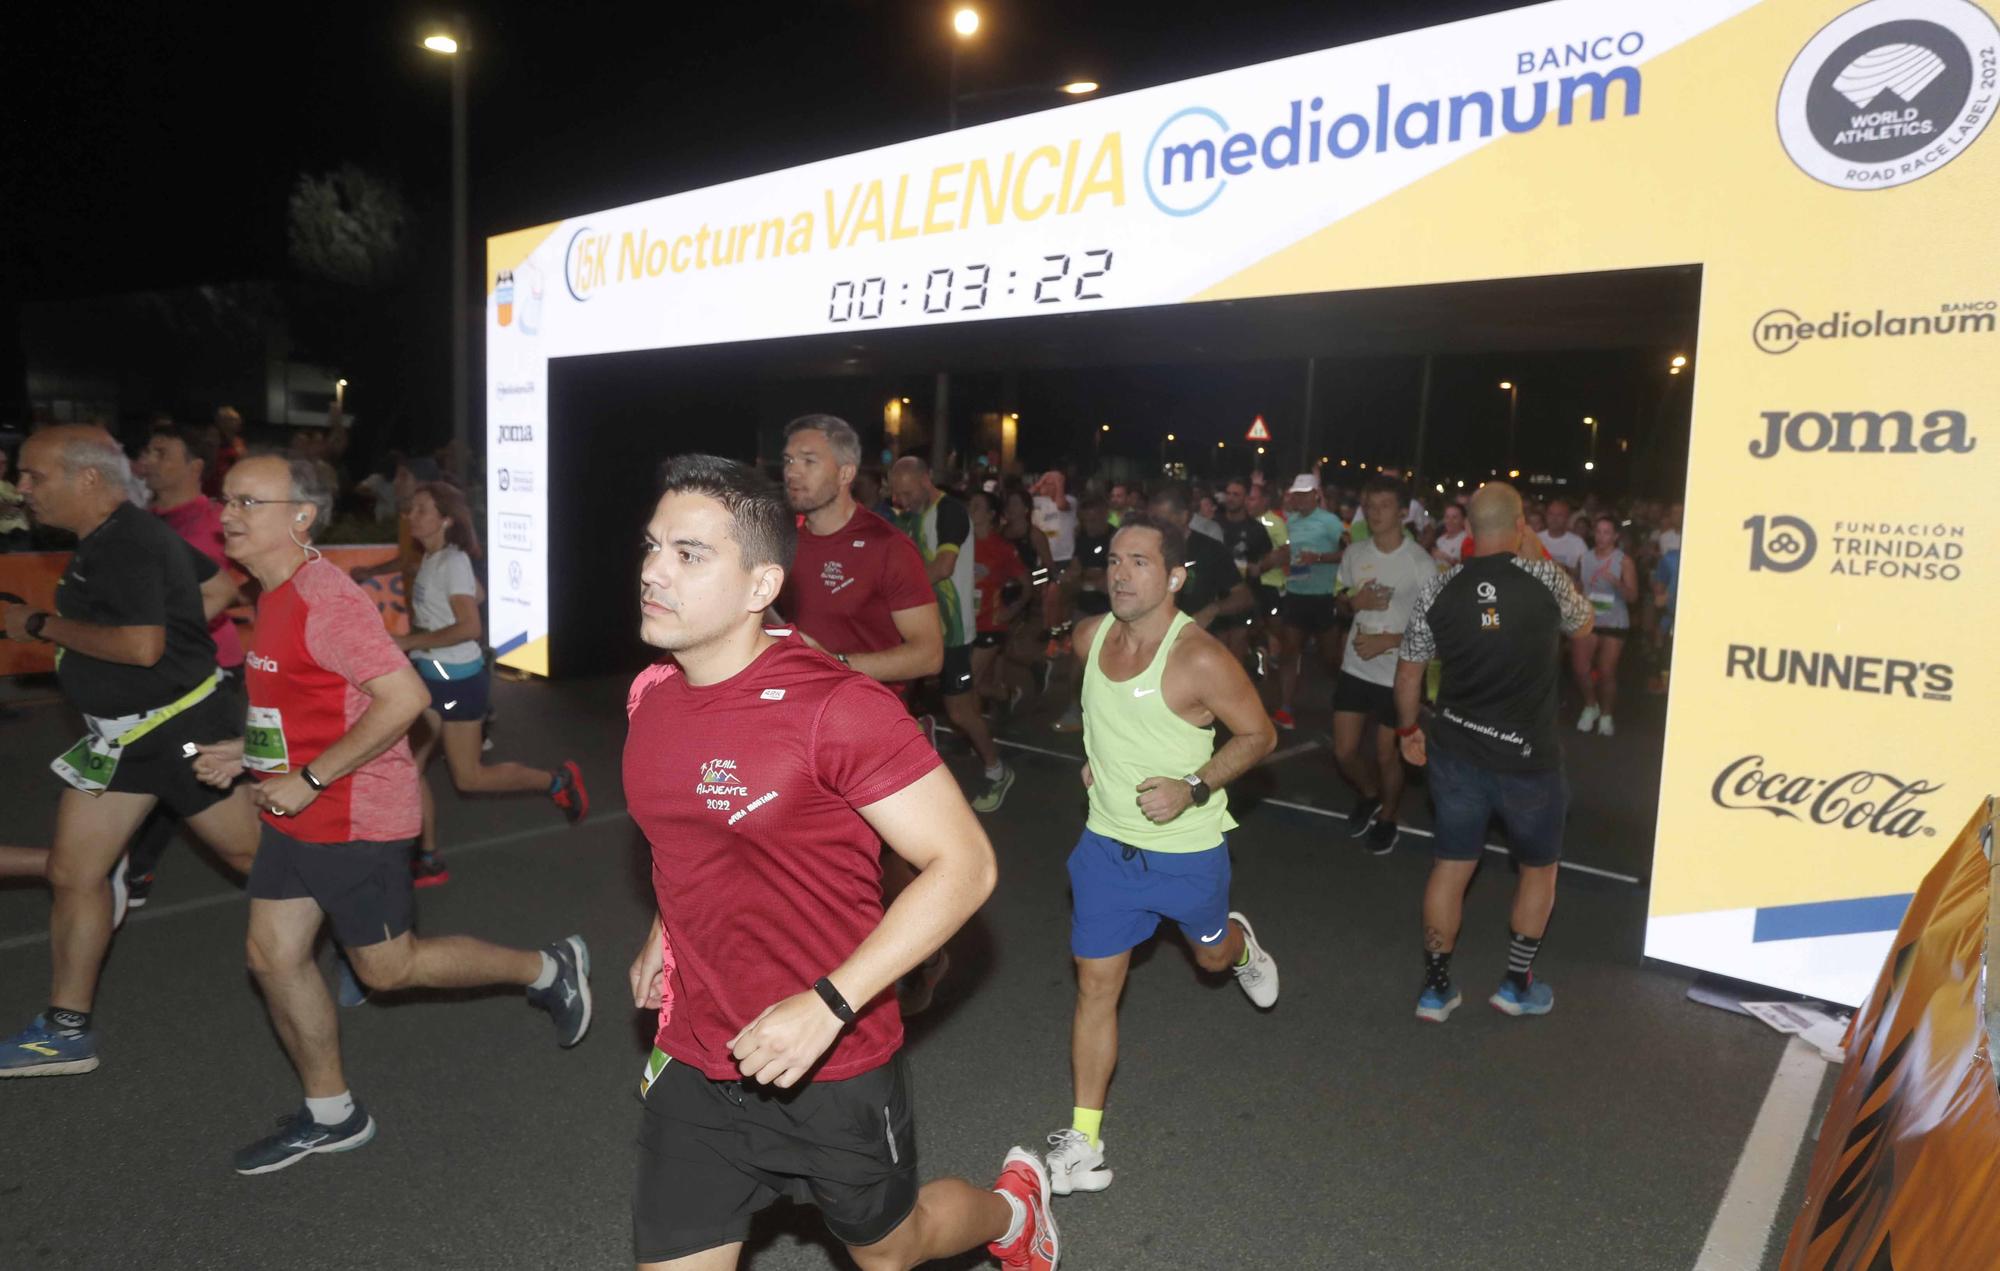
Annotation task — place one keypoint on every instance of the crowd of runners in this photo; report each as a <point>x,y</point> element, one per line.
<point>813,857</point>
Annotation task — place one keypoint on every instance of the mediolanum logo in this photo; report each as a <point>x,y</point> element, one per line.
<point>1865,799</point>
<point>1873,432</point>
<point>1782,330</point>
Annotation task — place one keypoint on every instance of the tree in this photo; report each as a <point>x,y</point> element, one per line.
<point>348,227</point>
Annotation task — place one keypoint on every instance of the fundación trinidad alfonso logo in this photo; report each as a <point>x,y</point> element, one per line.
<point>1889,92</point>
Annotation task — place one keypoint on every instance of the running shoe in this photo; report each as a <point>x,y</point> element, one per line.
<point>1071,720</point>
<point>1605,727</point>
<point>567,1000</point>
<point>1259,976</point>
<point>569,794</point>
<point>1284,720</point>
<point>1537,999</point>
<point>1382,837</point>
<point>1037,1248</point>
<point>1588,719</point>
<point>349,990</point>
<point>121,894</point>
<point>1362,816</point>
<point>995,793</point>
<point>427,869</point>
<point>299,1136</point>
<point>915,991</point>
<point>1437,1007</point>
<point>42,1050</point>
<point>1074,1165</point>
<point>138,890</point>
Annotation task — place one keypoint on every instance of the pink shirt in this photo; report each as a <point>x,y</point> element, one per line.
<point>199,522</point>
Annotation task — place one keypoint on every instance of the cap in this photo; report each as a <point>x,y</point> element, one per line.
<point>1304,483</point>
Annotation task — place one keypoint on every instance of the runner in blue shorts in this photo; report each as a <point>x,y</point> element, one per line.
<point>1154,686</point>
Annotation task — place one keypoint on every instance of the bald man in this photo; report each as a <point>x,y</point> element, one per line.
<point>136,660</point>
<point>1495,623</point>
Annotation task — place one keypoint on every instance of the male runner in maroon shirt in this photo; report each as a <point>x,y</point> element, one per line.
<point>764,775</point>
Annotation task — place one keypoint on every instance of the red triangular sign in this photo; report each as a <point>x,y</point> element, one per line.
<point>1257,431</point>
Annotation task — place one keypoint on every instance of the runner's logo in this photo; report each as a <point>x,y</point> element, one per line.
<point>258,662</point>
<point>1889,92</point>
<point>1864,799</point>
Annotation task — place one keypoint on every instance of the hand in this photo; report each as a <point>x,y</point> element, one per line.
<point>1162,799</point>
<point>649,975</point>
<point>220,763</point>
<point>288,795</point>
<point>15,620</point>
<point>779,1045</point>
<point>1375,644</point>
<point>1413,748</point>
<point>1086,774</point>
<point>1372,596</point>
<point>361,573</point>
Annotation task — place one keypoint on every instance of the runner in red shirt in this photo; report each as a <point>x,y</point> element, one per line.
<point>331,697</point>
<point>764,775</point>
<point>1000,586</point>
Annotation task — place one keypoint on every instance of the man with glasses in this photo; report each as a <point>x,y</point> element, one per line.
<point>135,658</point>
<point>331,699</point>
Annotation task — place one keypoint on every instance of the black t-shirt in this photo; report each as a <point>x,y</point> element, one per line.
<point>1496,623</point>
<point>134,571</point>
<point>1211,574</point>
<point>1248,543</point>
<point>1092,549</point>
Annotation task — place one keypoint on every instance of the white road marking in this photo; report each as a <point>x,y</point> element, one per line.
<point>1742,1230</point>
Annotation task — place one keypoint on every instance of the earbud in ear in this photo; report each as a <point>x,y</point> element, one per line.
<point>1173,584</point>
<point>300,517</point>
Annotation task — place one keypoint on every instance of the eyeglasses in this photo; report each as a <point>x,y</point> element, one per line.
<point>245,503</point>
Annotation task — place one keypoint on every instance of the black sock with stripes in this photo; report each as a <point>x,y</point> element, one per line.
<point>1437,971</point>
<point>1521,951</point>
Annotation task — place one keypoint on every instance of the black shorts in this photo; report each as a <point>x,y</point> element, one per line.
<point>461,701</point>
<point>989,640</point>
<point>1265,600</point>
<point>1353,695</point>
<point>158,763</point>
<point>364,888</point>
<point>714,1153</point>
<point>1611,633</point>
<point>1310,614</point>
<point>955,676</point>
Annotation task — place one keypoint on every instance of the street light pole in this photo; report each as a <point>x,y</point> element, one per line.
<point>461,300</point>
<point>1513,418</point>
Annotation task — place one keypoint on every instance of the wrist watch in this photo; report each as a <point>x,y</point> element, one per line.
<point>1200,788</point>
<point>33,626</point>
<point>306,775</point>
<point>842,659</point>
<point>834,1001</point>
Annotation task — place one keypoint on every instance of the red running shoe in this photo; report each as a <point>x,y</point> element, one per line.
<point>1037,1248</point>
<point>569,794</point>
<point>427,869</point>
<point>1284,720</point>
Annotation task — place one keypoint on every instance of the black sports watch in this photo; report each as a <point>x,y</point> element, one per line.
<point>834,1001</point>
<point>1200,788</point>
<point>33,626</point>
<point>306,775</point>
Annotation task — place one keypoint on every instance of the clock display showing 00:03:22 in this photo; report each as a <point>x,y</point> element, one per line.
<point>969,288</point>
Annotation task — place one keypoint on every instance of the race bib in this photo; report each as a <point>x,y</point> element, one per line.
<point>656,1063</point>
<point>1602,601</point>
<point>264,741</point>
<point>89,765</point>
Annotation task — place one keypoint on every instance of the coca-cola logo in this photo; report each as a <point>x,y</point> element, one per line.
<point>1878,802</point>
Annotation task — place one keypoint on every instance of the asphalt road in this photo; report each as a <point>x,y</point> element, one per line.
<point>1334,1132</point>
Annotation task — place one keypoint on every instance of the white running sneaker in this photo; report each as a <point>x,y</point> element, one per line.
<point>121,893</point>
<point>1074,1165</point>
<point>1259,976</point>
<point>1604,728</point>
<point>1588,719</point>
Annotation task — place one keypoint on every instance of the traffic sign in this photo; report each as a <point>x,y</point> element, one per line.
<point>1258,432</point>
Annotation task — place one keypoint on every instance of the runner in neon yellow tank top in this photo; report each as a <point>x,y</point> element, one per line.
<point>1154,686</point>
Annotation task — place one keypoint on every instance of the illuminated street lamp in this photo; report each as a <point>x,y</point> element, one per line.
<point>1591,422</point>
<point>966,21</point>
<point>1080,87</point>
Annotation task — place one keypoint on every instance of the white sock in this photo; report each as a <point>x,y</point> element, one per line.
<point>333,1109</point>
<point>1019,1220</point>
<point>548,975</point>
<point>994,770</point>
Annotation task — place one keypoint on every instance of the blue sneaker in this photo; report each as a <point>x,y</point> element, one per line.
<point>1437,1007</point>
<point>39,1050</point>
<point>299,1136</point>
<point>1536,999</point>
<point>568,999</point>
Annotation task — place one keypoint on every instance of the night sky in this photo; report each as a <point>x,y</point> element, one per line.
<point>156,144</point>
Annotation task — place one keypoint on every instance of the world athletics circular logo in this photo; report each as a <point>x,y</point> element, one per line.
<point>1889,92</point>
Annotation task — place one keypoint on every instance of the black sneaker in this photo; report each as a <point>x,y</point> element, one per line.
<point>427,869</point>
<point>138,890</point>
<point>1362,816</point>
<point>1382,837</point>
<point>568,999</point>
<point>299,1136</point>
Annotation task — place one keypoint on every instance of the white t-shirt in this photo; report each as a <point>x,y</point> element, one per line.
<point>445,573</point>
<point>1404,571</point>
<point>1668,540</point>
<point>1059,524</point>
<point>1566,550</point>
<point>1451,548</point>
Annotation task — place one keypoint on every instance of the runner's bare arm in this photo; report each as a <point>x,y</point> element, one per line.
<point>465,625</point>
<point>939,567</point>
<point>1224,689</point>
<point>397,699</point>
<point>921,653</point>
<point>648,969</point>
<point>1409,694</point>
<point>219,593</point>
<point>1237,600</point>
<point>929,824</point>
<point>128,646</point>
